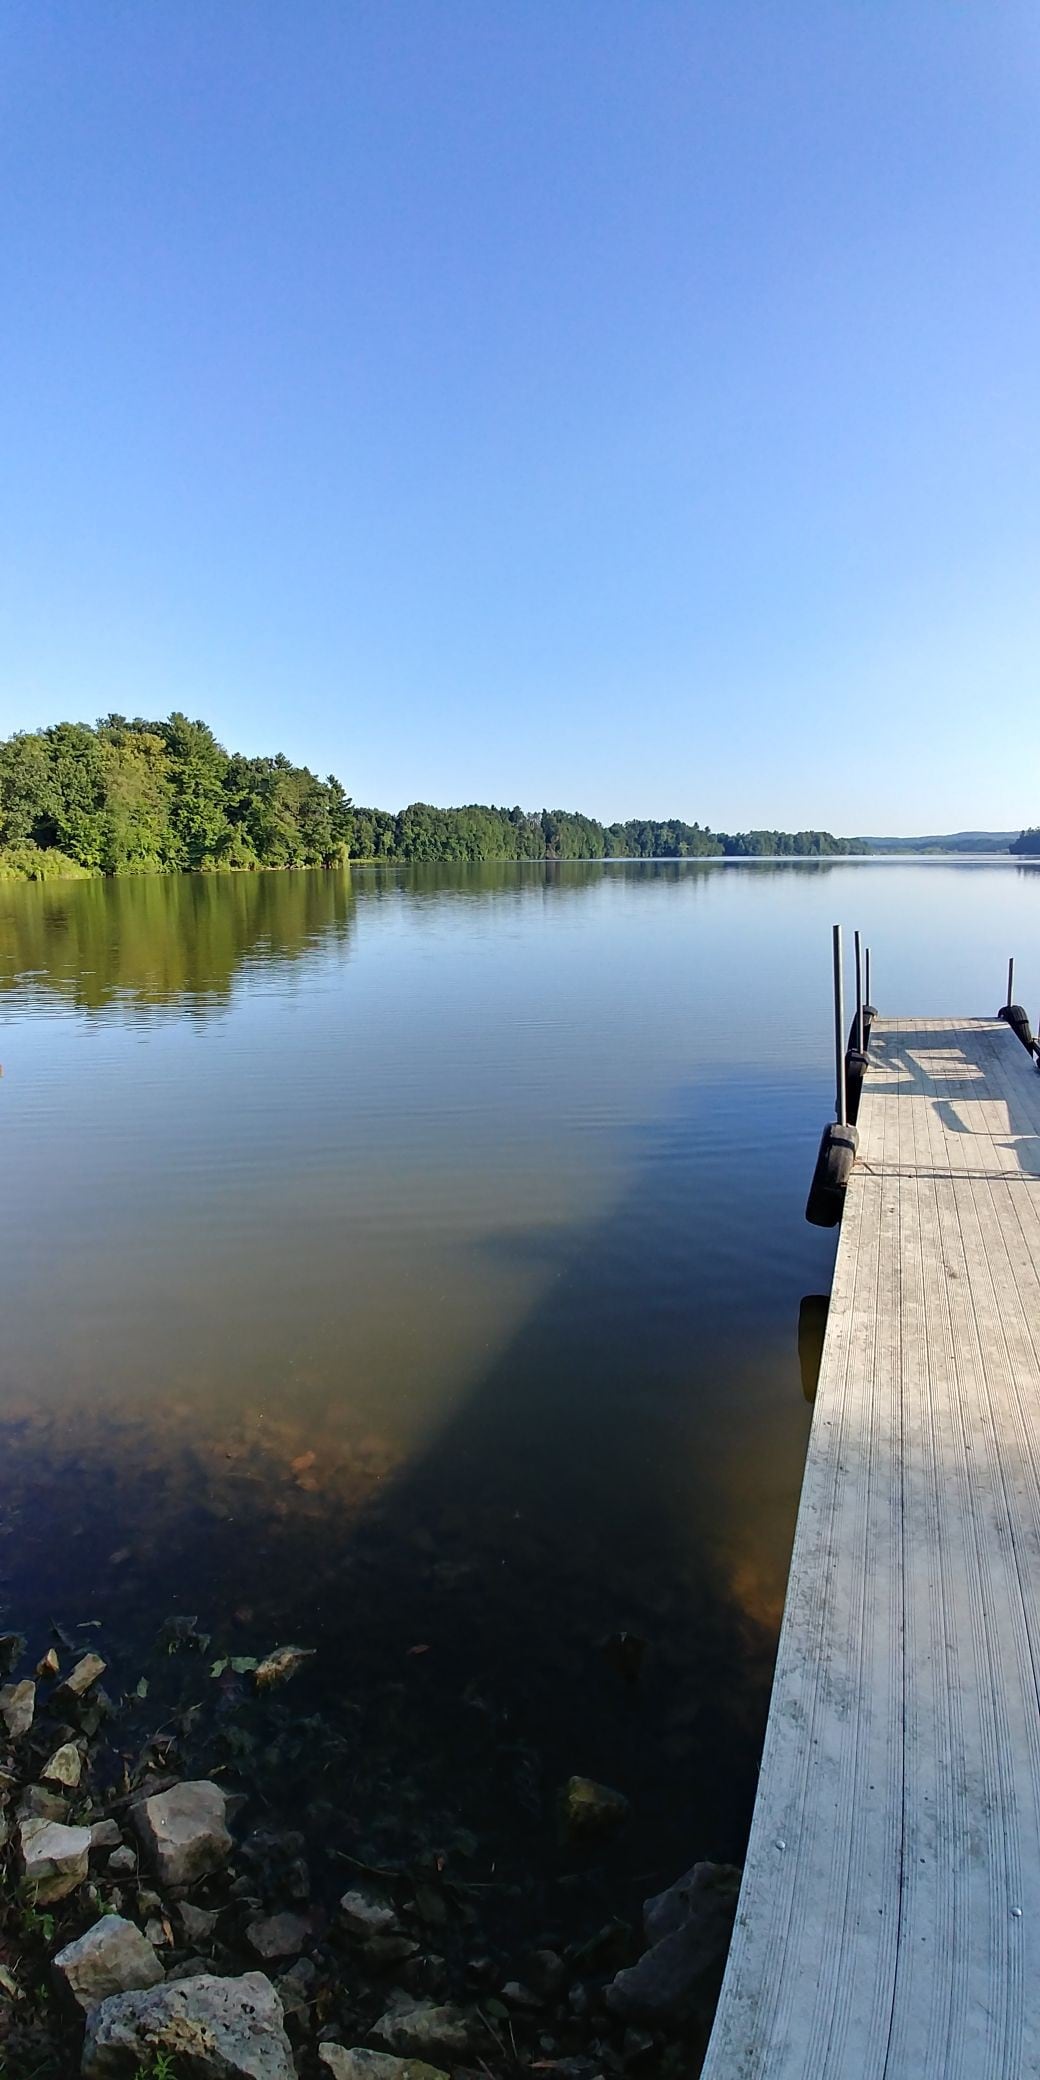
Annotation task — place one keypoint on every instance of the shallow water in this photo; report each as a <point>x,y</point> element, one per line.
<point>396,1261</point>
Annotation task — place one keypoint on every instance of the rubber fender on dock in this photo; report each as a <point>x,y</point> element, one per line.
<point>834,1162</point>
<point>855,1071</point>
<point>1017,1017</point>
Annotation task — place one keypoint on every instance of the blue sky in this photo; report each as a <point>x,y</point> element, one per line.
<point>625,406</point>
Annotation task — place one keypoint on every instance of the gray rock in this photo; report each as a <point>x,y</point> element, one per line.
<point>123,1862</point>
<point>296,1986</point>
<point>375,2065</point>
<point>38,1803</point>
<point>212,2029</point>
<point>418,2029</point>
<point>65,1766</point>
<point>589,1811</point>
<point>278,1935</point>
<point>384,1951</point>
<point>367,1913</point>
<point>17,1705</point>
<point>183,1831</point>
<point>689,1928</point>
<point>104,1834</point>
<point>198,1923</point>
<point>113,1957</point>
<point>192,1968</point>
<point>54,1859</point>
<point>519,1996</point>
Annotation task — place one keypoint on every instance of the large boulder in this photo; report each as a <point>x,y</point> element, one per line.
<point>208,2028</point>
<point>688,1929</point>
<point>54,1859</point>
<point>113,1957</point>
<point>184,1831</point>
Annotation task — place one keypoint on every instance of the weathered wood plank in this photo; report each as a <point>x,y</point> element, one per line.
<point>889,1918</point>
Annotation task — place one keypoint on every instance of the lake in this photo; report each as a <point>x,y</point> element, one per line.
<point>408,1265</point>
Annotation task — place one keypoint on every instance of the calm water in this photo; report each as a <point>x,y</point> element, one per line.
<point>403,1260</point>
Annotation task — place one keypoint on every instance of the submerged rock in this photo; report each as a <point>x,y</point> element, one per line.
<point>54,1859</point>
<point>183,1831</point>
<point>208,2028</point>
<point>277,1855</point>
<point>17,1705</point>
<point>415,2029</point>
<point>689,1928</point>
<point>113,1957</point>
<point>65,1766</point>
<point>589,1811</point>
<point>38,1803</point>
<point>198,1923</point>
<point>296,1987</point>
<point>79,1679</point>
<point>279,1666</point>
<point>383,1952</point>
<point>367,1913</point>
<point>626,1652</point>
<point>375,2065</point>
<point>12,1647</point>
<point>278,1935</point>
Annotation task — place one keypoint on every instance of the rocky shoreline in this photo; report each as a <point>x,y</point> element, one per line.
<point>171,1911</point>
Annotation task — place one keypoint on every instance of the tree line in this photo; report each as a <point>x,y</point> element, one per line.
<point>140,797</point>
<point>1027,843</point>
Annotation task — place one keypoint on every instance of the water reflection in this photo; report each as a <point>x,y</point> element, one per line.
<point>163,943</point>
<point>812,1328</point>
<point>179,942</point>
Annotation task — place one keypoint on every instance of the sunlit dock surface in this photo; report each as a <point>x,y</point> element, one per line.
<point>889,1919</point>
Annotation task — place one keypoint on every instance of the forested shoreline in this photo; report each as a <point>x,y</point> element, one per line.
<point>146,797</point>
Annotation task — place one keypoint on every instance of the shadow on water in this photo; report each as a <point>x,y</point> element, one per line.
<point>468,1608</point>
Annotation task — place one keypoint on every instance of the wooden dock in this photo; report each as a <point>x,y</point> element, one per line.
<point>889,1918</point>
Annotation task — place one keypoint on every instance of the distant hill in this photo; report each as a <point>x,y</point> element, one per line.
<point>954,841</point>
